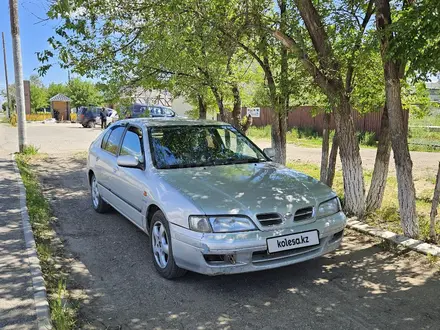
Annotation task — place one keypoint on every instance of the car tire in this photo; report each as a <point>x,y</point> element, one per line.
<point>160,244</point>
<point>99,205</point>
<point>91,124</point>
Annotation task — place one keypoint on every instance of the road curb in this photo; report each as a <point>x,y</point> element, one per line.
<point>413,244</point>
<point>31,256</point>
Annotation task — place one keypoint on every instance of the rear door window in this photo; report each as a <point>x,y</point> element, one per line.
<point>114,140</point>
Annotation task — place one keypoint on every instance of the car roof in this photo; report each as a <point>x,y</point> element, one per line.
<point>172,121</point>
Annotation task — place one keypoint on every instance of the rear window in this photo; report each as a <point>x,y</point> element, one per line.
<point>105,138</point>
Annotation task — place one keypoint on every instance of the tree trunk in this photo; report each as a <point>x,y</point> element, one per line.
<point>325,147</point>
<point>435,201</point>
<point>398,130</point>
<point>380,171</point>
<point>402,159</point>
<point>332,161</point>
<point>279,118</point>
<point>278,134</point>
<point>236,109</point>
<point>219,101</point>
<point>246,124</point>
<point>354,188</point>
<point>202,107</point>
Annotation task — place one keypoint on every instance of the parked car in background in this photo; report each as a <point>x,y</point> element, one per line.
<point>89,116</point>
<point>211,201</point>
<point>138,110</point>
<point>112,116</point>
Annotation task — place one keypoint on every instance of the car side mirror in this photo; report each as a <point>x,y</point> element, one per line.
<point>269,152</point>
<point>128,161</point>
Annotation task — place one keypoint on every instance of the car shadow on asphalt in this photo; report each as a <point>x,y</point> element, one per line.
<point>359,286</point>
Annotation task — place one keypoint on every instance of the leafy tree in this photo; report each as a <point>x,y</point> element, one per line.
<point>54,89</point>
<point>326,53</point>
<point>415,27</point>
<point>11,96</point>
<point>393,73</point>
<point>39,95</point>
<point>83,93</point>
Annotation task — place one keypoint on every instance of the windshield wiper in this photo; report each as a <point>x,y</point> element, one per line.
<point>247,161</point>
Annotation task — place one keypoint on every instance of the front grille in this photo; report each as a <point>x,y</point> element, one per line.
<point>304,214</point>
<point>269,219</point>
<point>264,257</point>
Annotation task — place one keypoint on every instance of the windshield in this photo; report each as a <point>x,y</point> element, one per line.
<point>189,146</point>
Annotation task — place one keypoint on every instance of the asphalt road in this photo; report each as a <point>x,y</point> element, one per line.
<point>360,286</point>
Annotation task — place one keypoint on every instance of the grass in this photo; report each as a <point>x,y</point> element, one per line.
<point>424,140</point>
<point>420,139</point>
<point>387,217</point>
<point>433,120</point>
<point>63,313</point>
<point>300,137</point>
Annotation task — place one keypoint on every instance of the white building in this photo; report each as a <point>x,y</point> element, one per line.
<point>161,97</point>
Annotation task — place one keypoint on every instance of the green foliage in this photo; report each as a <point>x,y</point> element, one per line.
<point>13,119</point>
<point>30,150</point>
<point>417,40</point>
<point>367,138</point>
<point>54,89</point>
<point>39,94</point>
<point>83,93</point>
<point>11,95</point>
<point>415,99</point>
<point>62,315</point>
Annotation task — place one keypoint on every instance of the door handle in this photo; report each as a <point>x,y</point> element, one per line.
<point>115,169</point>
<point>97,158</point>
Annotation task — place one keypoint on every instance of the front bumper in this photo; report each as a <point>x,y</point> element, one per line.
<point>247,251</point>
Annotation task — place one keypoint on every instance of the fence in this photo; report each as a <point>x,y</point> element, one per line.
<point>302,117</point>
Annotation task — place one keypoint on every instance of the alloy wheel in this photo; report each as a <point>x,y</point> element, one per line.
<point>95,192</point>
<point>160,244</point>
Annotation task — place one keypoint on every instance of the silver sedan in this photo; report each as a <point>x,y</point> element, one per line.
<point>211,201</point>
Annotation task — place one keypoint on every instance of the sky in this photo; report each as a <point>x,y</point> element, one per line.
<point>34,33</point>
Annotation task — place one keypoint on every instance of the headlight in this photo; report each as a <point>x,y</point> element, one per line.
<point>220,224</point>
<point>329,207</point>
<point>200,224</point>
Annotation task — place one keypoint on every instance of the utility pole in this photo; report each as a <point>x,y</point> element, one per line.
<point>8,107</point>
<point>18,69</point>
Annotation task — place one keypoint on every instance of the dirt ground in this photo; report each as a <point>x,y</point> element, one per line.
<point>360,286</point>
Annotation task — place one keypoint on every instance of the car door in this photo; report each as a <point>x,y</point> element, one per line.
<point>106,162</point>
<point>129,182</point>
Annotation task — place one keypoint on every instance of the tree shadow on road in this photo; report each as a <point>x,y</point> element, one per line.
<point>359,286</point>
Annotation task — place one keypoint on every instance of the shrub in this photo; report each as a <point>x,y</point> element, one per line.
<point>30,150</point>
<point>366,138</point>
<point>13,119</point>
<point>307,133</point>
<point>293,134</point>
<point>38,116</point>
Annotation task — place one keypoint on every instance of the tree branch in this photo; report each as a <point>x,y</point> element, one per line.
<point>319,77</point>
<point>357,45</point>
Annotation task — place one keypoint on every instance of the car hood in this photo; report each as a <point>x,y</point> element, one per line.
<point>247,188</point>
